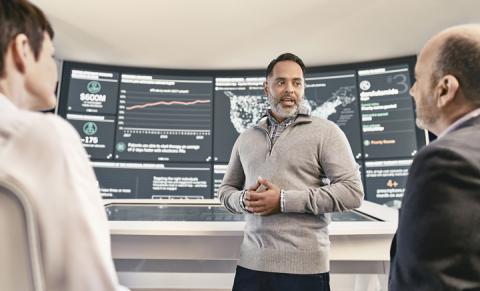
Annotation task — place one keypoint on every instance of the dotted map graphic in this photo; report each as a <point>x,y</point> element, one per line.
<point>342,97</point>
<point>246,110</point>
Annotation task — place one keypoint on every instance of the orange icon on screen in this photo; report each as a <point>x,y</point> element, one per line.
<point>392,183</point>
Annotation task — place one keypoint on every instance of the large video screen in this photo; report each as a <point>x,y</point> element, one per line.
<point>239,104</point>
<point>155,133</point>
<point>387,115</point>
<point>164,118</point>
<point>334,96</point>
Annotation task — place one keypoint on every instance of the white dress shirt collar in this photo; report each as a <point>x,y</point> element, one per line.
<point>5,103</point>
<point>460,121</point>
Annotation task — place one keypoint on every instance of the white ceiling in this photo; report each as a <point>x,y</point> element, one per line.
<point>244,34</point>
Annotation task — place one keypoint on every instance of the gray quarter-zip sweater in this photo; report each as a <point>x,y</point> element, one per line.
<point>312,161</point>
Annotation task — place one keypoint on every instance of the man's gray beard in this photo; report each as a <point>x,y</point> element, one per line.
<point>284,113</point>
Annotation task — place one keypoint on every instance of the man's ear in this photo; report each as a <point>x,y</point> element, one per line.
<point>265,88</point>
<point>446,90</point>
<point>21,52</point>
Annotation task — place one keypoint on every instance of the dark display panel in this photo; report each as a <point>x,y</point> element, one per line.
<point>169,133</point>
<point>93,92</point>
<point>385,181</point>
<point>164,118</point>
<point>97,133</point>
<point>333,96</point>
<point>153,181</point>
<point>388,122</point>
<point>239,104</point>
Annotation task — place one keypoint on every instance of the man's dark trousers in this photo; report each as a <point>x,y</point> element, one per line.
<point>250,280</point>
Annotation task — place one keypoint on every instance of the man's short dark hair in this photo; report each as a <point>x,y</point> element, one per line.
<point>460,56</point>
<point>21,16</point>
<point>285,57</point>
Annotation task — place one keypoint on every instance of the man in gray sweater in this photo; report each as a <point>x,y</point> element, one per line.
<point>287,173</point>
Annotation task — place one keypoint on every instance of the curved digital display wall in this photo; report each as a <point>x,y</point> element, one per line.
<point>154,133</point>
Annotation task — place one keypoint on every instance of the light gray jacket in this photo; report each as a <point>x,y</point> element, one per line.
<point>312,161</point>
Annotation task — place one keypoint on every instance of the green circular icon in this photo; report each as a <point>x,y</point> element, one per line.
<point>121,146</point>
<point>94,87</point>
<point>90,128</point>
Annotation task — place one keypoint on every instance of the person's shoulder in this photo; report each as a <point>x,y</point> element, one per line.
<point>258,128</point>
<point>459,141</point>
<point>441,152</point>
<point>48,129</point>
<point>323,125</point>
<point>250,130</point>
<point>54,124</point>
<point>322,122</point>
<point>249,134</point>
<point>464,139</point>
<point>434,148</point>
<point>60,124</point>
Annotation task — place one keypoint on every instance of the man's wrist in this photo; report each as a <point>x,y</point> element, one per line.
<point>282,200</point>
<point>242,201</point>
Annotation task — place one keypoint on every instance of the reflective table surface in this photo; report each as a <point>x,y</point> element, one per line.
<point>183,212</point>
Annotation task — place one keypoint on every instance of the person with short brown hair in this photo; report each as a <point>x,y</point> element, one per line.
<point>42,154</point>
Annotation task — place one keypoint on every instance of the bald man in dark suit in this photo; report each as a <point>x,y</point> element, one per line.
<point>437,244</point>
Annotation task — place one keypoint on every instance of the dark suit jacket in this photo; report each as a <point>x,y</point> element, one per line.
<point>437,244</point>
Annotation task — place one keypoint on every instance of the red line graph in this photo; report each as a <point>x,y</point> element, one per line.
<point>139,106</point>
